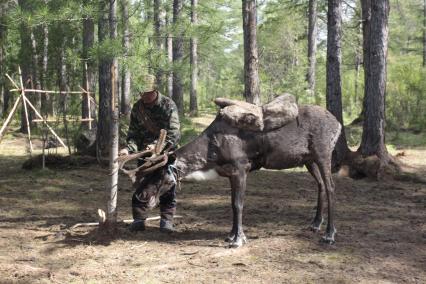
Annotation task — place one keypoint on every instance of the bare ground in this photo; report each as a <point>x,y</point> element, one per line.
<point>381,230</point>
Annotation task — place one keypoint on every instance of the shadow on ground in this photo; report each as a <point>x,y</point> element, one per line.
<point>380,230</point>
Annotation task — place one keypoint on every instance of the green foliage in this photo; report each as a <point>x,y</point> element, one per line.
<point>282,44</point>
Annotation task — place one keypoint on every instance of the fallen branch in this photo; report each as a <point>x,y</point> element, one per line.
<point>126,221</point>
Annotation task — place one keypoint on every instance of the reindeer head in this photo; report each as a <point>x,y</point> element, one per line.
<point>155,176</point>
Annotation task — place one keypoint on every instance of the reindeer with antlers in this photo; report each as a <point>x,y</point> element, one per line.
<point>244,138</point>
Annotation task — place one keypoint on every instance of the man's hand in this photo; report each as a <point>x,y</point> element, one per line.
<point>151,147</point>
<point>123,152</point>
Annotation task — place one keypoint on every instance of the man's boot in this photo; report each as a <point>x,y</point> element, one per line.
<point>137,226</point>
<point>167,209</point>
<point>166,226</point>
<point>139,216</point>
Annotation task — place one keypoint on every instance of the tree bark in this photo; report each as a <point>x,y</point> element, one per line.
<point>375,48</point>
<point>35,80</point>
<point>169,43</point>
<point>89,73</point>
<point>126,76</point>
<point>46,99</point>
<point>334,81</point>
<point>159,42</point>
<point>312,45</point>
<point>64,87</point>
<point>24,59</point>
<point>114,112</point>
<point>3,33</point>
<point>424,33</point>
<point>193,105</point>
<point>251,60</point>
<point>366,17</point>
<point>177,57</point>
<point>104,115</point>
<point>358,63</point>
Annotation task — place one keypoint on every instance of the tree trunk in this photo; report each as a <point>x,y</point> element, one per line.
<point>35,80</point>
<point>366,18</point>
<point>126,76</point>
<point>24,59</point>
<point>424,33</point>
<point>177,57</point>
<point>104,115</point>
<point>193,105</point>
<point>114,112</point>
<point>375,48</point>
<point>251,60</point>
<point>169,43</point>
<point>334,82</point>
<point>358,62</point>
<point>46,99</point>
<point>89,76</point>
<point>159,42</point>
<point>312,45</point>
<point>3,32</point>
<point>64,87</point>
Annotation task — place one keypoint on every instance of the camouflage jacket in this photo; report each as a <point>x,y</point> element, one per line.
<point>146,123</point>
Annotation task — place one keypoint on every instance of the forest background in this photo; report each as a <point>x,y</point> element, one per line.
<point>61,45</point>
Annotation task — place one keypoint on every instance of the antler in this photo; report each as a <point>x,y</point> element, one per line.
<point>153,161</point>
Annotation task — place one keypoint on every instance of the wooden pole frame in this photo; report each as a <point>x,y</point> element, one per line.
<point>26,110</point>
<point>23,99</point>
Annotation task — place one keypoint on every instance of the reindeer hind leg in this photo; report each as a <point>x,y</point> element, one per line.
<point>325,169</point>
<point>318,219</point>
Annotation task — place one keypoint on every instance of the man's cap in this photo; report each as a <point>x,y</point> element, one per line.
<point>148,85</point>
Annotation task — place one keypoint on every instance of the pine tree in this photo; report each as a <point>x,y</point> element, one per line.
<point>177,56</point>
<point>334,81</point>
<point>251,59</point>
<point>375,48</point>
<point>193,104</point>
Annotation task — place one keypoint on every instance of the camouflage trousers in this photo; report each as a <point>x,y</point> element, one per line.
<point>167,205</point>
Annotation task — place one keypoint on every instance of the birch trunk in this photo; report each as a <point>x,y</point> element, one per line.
<point>112,203</point>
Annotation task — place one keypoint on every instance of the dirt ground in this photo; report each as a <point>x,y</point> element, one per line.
<point>381,226</point>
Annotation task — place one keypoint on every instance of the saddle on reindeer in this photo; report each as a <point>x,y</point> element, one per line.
<point>275,114</point>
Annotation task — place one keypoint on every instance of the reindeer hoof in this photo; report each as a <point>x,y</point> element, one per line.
<point>229,239</point>
<point>328,238</point>
<point>237,241</point>
<point>316,226</point>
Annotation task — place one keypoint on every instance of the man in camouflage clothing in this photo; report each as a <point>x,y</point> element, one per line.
<point>149,115</point>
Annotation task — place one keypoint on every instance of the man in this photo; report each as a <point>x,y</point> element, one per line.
<point>151,113</point>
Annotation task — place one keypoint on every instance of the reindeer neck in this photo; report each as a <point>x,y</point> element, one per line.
<point>193,156</point>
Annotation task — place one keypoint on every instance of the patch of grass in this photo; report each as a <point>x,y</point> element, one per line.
<point>394,139</point>
<point>189,130</point>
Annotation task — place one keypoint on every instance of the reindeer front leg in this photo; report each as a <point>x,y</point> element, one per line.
<point>238,187</point>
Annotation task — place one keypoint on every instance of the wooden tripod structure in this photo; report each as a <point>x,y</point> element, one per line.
<point>26,103</point>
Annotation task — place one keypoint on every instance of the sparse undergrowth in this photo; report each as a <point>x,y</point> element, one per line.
<point>379,239</point>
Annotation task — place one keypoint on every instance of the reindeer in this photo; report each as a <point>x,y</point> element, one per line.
<point>224,149</point>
